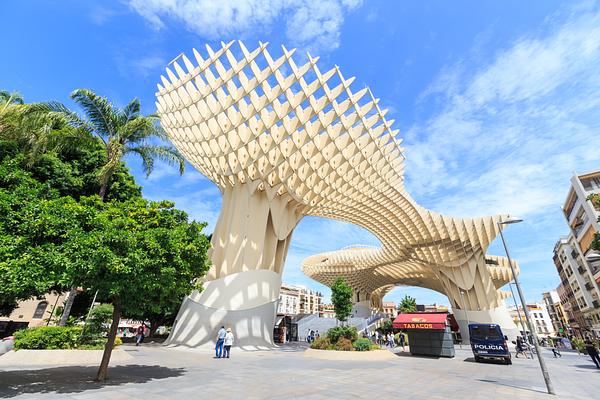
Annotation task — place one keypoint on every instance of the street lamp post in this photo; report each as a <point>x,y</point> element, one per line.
<point>517,307</point>
<point>540,357</point>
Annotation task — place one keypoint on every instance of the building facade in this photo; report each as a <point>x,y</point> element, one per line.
<point>327,311</point>
<point>389,309</point>
<point>432,308</point>
<point>31,313</point>
<point>297,299</point>
<point>556,312</point>
<point>542,323</point>
<point>580,277</point>
<point>289,300</point>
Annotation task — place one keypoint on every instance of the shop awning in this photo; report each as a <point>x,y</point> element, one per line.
<point>421,321</point>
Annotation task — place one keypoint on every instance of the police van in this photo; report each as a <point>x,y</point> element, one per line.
<point>488,342</point>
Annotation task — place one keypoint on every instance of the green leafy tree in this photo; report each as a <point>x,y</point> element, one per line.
<point>134,253</point>
<point>138,252</point>
<point>341,297</point>
<point>31,195</point>
<point>96,325</point>
<point>407,305</point>
<point>122,131</point>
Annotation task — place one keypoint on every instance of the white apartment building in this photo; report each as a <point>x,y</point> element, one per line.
<point>570,252</point>
<point>556,312</point>
<point>297,299</point>
<point>289,300</point>
<point>389,309</point>
<point>327,311</point>
<point>539,317</point>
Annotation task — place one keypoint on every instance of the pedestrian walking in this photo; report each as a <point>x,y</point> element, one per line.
<point>520,347</point>
<point>402,340</point>
<point>555,350</point>
<point>220,340</point>
<point>317,334</point>
<point>308,335</point>
<point>591,349</point>
<point>227,343</point>
<point>140,334</point>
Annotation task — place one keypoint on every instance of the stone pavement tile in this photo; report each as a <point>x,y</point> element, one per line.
<point>276,375</point>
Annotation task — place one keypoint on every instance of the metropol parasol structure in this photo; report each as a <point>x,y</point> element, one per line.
<point>283,140</point>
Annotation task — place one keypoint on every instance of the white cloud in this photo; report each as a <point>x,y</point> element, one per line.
<point>310,24</point>
<point>100,15</point>
<point>511,133</point>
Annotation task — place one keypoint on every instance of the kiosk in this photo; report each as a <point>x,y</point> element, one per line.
<point>429,333</point>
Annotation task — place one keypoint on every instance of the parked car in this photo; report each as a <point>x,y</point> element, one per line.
<point>488,342</point>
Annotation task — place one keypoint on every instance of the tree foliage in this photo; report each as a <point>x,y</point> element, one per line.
<point>341,297</point>
<point>56,231</point>
<point>407,305</point>
<point>595,199</point>
<point>36,201</point>
<point>121,130</point>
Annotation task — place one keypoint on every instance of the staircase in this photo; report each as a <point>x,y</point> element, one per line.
<point>313,322</point>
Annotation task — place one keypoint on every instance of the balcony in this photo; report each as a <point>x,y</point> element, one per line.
<point>581,270</point>
<point>596,304</point>
<point>589,286</point>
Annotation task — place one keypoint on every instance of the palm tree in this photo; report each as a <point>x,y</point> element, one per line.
<point>34,126</point>
<point>122,131</point>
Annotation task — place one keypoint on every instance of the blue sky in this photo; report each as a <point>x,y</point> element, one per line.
<point>498,102</point>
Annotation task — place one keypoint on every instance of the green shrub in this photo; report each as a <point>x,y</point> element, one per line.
<point>362,344</point>
<point>348,332</point>
<point>48,337</point>
<point>98,324</point>
<point>321,343</point>
<point>343,344</point>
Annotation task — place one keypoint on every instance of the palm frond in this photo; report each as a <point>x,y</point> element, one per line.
<point>11,97</point>
<point>147,159</point>
<point>149,153</point>
<point>130,111</point>
<point>99,111</point>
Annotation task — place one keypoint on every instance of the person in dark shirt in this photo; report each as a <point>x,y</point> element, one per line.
<point>591,349</point>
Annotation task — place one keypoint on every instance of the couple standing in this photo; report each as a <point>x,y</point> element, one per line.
<point>224,343</point>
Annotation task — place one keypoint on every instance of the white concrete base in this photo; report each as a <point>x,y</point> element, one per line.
<point>499,316</point>
<point>246,302</point>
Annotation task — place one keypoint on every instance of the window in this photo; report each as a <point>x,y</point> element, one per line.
<point>40,309</point>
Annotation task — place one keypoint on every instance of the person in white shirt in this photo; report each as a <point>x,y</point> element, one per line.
<point>228,343</point>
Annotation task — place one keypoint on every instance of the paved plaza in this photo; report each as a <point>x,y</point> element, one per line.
<point>156,372</point>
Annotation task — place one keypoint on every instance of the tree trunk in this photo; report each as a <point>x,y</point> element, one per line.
<point>112,334</point>
<point>68,304</point>
<point>103,189</point>
<point>154,324</point>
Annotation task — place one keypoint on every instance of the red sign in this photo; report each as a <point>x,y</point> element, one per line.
<point>435,321</point>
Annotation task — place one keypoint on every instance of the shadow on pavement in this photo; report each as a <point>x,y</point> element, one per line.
<point>588,366</point>
<point>78,379</point>
<point>495,382</point>
<point>485,361</point>
<point>409,354</point>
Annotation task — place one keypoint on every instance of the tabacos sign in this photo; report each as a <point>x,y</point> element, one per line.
<point>418,326</point>
<point>421,323</point>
